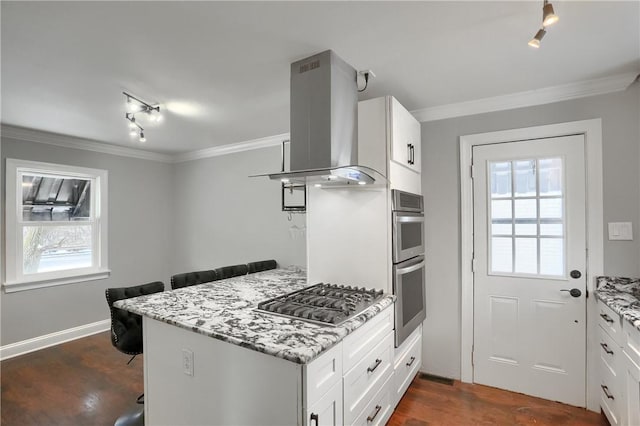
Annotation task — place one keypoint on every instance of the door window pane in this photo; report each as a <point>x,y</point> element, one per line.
<point>551,256</point>
<point>526,228</point>
<point>526,261</point>
<point>550,176</point>
<point>525,178</point>
<point>525,209</point>
<point>56,248</point>
<point>549,229</point>
<point>501,209</point>
<point>499,228</point>
<point>500,180</point>
<point>551,208</point>
<point>501,255</point>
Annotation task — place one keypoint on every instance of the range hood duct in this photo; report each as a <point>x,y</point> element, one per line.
<point>324,124</point>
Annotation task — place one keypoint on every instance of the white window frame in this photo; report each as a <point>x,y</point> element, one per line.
<point>14,279</point>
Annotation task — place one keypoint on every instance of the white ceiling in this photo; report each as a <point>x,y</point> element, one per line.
<point>220,70</point>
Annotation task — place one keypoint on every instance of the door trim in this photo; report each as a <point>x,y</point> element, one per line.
<point>592,131</point>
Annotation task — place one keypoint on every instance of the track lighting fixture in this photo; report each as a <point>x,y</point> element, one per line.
<point>535,41</point>
<point>548,18</point>
<point>137,106</point>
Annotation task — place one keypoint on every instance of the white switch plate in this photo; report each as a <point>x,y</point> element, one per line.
<point>620,231</point>
<point>187,362</point>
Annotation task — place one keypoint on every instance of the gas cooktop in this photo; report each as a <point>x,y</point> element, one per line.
<point>327,304</point>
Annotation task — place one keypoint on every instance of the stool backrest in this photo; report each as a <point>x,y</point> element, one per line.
<point>262,265</point>
<point>192,278</point>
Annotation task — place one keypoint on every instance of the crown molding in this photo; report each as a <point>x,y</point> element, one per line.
<point>215,151</point>
<point>528,98</point>
<point>32,135</point>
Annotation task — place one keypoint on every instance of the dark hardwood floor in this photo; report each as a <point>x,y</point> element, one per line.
<point>83,382</point>
<point>431,403</point>
<point>87,382</point>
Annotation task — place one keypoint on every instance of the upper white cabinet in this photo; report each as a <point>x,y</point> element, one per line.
<point>389,141</point>
<point>405,136</point>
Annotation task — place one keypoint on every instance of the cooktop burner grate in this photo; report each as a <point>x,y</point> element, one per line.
<point>322,303</point>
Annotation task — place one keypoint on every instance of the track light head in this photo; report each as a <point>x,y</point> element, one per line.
<point>137,106</point>
<point>142,138</point>
<point>535,41</point>
<point>548,16</point>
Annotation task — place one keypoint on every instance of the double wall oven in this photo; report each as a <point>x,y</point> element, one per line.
<point>408,262</point>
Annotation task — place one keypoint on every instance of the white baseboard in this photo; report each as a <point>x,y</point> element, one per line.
<point>52,339</point>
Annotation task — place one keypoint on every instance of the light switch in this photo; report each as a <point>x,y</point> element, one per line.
<point>620,231</point>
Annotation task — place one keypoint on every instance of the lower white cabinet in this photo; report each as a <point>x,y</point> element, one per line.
<point>408,359</point>
<point>327,410</point>
<point>631,373</point>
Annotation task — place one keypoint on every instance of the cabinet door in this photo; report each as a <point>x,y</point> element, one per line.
<point>405,137</point>
<point>631,377</point>
<point>327,411</point>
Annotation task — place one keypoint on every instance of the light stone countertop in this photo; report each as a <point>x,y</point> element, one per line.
<point>622,295</point>
<point>225,310</point>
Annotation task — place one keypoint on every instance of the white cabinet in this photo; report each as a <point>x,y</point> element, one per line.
<point>389,141</point>
<point>327,410</point>
<point>631,373</point>
<point>408,359</point>
<point>610,364</point>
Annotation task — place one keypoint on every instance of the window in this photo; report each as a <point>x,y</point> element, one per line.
<point>526,217</point>
<point>56,222</point>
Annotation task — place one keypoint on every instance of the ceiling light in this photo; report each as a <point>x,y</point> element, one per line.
<point>362,183</point>
<point>535,41</point>
<point>548,17</point>
<point>137,106</point>
<point>285,180</point>
<point>318,185</point>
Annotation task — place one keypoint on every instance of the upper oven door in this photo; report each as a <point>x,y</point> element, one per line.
<point>408,235</point>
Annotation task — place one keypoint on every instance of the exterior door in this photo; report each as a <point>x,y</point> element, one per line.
<point>529,267</point>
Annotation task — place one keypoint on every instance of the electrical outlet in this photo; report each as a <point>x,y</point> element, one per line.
<point>187,362</point>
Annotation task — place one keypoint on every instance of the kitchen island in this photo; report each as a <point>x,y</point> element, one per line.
<point>211,358</point>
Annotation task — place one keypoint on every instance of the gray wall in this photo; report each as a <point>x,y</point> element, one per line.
<point>140,203</point>
<point>223,217</point>
<point>620,113</point>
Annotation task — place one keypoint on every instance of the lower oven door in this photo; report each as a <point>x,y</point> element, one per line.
<point>409,288</point>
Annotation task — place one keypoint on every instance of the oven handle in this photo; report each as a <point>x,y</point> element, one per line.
<point>403,217</point>
<point>410,265</point>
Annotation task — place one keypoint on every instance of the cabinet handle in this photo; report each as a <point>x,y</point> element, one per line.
<point>413,358</point>
<point>314,417</point>
<point>606,348</point>
<point>372,369</point>
<point>370,418</point>
<point>408,153</point>
<point>606,317</point>
<point>606,391</point>
<point>413,154</point>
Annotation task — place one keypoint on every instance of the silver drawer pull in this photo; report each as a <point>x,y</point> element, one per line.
<point>372,369</point>
<point>413,358</point>
<point>606,391</point>
<point>607,318</point>
<point>606,348</point>
<point>370,418</point>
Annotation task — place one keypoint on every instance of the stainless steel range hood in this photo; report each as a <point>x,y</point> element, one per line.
<point>324,124</point>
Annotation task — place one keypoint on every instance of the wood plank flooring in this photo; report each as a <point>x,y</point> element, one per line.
<point>87,382</point>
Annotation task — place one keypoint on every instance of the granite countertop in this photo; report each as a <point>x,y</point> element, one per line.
<point>622,295</point>
<point>225,310</point>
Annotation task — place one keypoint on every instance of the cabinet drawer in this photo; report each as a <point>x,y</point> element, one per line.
<point>379,409</point>
<point>610,353</point>
<point>366,378</point>
<point>610,322</point>
<point>631,341</point>
<point>631,381</point>
<point>406,367</point>
<point>322,373</point>
<point>610,397</point>
<point>357,344</point>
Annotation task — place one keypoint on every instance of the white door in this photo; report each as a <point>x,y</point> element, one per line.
<point>529,250</point>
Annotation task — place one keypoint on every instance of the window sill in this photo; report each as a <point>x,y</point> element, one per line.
<point>14,286</point>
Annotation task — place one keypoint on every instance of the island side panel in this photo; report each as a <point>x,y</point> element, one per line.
<point>230,384</point>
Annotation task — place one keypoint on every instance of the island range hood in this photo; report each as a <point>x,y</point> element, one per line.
<point>324,125</point>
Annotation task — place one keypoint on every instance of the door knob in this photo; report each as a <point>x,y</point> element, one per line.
<point>575,292</point>
<point>575,274</point>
